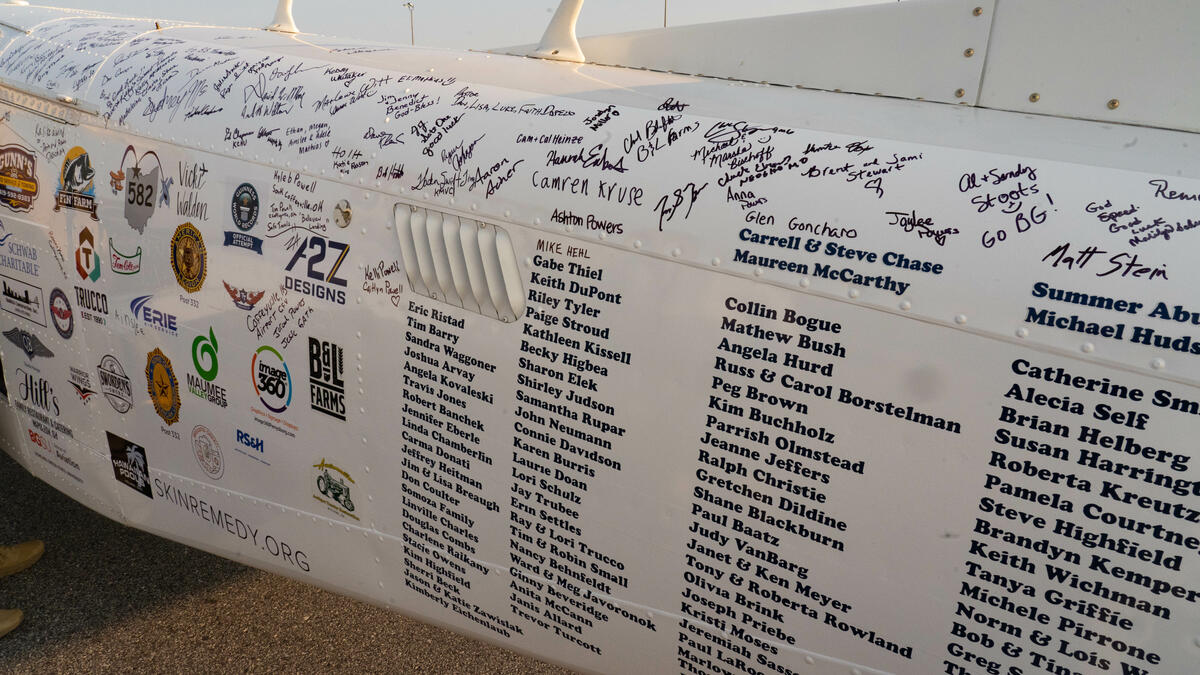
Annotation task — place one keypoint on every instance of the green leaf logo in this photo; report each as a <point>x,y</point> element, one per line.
<point>204,355</point>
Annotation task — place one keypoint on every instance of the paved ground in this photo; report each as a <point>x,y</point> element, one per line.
<point>106,598</point>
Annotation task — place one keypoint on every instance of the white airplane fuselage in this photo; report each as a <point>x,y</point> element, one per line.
<point>630,370</point>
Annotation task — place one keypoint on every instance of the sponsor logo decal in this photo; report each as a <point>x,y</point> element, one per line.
<point>244,208</point>
<point>333,489</point>
<point>240,240</point>
<point>204,359</point>
<point>271,379</point>
<point>162,386</point>
<point>22,300</point>
<point>18,177</point>
<point>37,399</point>
<point>17,256</point>
<point>28,342</point>
<point>207,452</point>
<point>81,381</point>
<point>189,258</point>
<point>138,178</point>
<point>87,259</point>
<point>129,463</point>
<point>93,305</point>
<point>49,451</point>
<point>250,446</point>
<point>204,355</point>
<point>114,384</point>
<point>62,314</point>
<point>319,260</point>
<point>243,299</point>
<point>76,183</point>
<point>326,383</point>
<point>121,263</point>
<point>160,321</point>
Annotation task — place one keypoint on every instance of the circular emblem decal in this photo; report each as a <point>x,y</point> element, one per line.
<point>271,379</point>
<point>61,314</point>
<point>162,386</point>
<point>208,452</point>
<point>245,206</point>
<point>114,384</point>
<point>189,258</point>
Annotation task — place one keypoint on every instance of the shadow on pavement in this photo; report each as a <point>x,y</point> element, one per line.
<point>110,599</point>
<point>94,572</point>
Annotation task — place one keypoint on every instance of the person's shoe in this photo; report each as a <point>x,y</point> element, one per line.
<point>9,619</point>
<point>13,559</point>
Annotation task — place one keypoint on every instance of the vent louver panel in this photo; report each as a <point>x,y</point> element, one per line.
<point>460,261</point>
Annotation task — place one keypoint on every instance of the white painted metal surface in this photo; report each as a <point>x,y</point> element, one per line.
<point>1110,61</point>
<point>910,51</point>
<point>756,380</point>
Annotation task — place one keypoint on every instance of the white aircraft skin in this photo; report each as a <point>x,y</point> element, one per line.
<point>629,370</point>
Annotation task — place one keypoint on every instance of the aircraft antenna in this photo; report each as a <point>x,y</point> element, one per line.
<point>283,18</point>
<point>558,42</point>
<point>412,31</point>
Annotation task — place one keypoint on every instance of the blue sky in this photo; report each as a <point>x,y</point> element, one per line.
<point>462,24</point>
